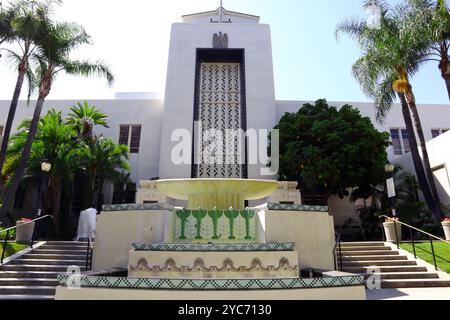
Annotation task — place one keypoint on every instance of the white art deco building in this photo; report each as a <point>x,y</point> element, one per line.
<point>220,73</point>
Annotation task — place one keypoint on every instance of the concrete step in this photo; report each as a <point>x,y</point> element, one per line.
<point>36,267</point>
<point>29,274</point>
<point>48,262</point>
<point>67,243</point>
<point>60,251</point>
<point>366,248</point>
<point>383,269</point>
<point>29,290</point>
<point>372,258</point>
<point>406,275</point>
<point>369,253</point>
<point>51,256</point>
<point>59,247</point>
<point>28,282</point>
<point>26,297</point>
<point>415,283</point>
<point>363,244</point>
<point>379,263</point>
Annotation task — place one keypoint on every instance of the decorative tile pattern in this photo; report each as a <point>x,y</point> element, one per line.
<point>215,225</point>
<point>214,284</point>
<point>296,207</point>
<point>215,247</point>
<point>228,265</point>
<point>136,207</point>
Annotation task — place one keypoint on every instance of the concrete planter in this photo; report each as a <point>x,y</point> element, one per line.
<point>389,230</point>
<point>446,226</point>
<point>24,232</point>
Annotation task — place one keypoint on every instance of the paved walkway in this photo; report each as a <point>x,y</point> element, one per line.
<point>409,294</point>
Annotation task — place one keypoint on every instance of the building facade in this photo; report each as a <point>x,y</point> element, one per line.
<point>219,77</point>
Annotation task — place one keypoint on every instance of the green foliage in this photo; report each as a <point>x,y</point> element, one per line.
<point>11,236</point>
<point>331,150</point>
<point>84,118</point>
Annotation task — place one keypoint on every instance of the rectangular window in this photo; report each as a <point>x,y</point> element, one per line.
<point>435,133</point>
<point>130,135</point>
<point>405,138</point>
<point>396,143</point>
<point>124,135</point>
<point>135,139</point>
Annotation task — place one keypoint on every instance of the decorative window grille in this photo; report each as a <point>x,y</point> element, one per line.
<point>396,143</point>
<point>219,144</point>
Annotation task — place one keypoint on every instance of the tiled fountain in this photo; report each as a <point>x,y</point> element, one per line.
<point>213,249</point>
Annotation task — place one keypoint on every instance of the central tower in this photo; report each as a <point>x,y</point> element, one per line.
<point>219,85</point>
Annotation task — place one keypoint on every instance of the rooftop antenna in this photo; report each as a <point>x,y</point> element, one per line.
<point>221,12</point>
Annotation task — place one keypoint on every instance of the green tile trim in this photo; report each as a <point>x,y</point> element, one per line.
<point>296,207</point>
<point>216,247</point>
<point>212,284</point>
<point>215,225</point>
<point>136,207</point>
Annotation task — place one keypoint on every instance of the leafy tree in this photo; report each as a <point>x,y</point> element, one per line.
<point>53,56</point>
<point>84,118</point>
<point>23,24</point>
<point>331,150</point>
<point>392,53</point>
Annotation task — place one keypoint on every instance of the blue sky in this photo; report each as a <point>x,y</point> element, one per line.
<point>133,37</point>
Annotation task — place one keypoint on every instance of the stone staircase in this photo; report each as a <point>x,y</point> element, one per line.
<point>33,275</point>
<point>395,270</point>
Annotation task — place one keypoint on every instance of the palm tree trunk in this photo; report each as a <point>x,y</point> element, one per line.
<point>426,160</point>
<point>55,199</point>
<point>8,201</point>
<point>418,165</point>
<point>11,115</point>
<point>447,83</point>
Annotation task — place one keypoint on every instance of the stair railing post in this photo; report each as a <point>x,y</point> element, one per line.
<point>434,255</point>
<point>4,245</point>
<point>87,253</point>
<point>383,233</point>
<point>396,234</point>
<point>413,242</point>
<point>340,256</point>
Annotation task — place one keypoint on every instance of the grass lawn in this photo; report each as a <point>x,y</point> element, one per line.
<point>12,248</point>
<point>423,251</point>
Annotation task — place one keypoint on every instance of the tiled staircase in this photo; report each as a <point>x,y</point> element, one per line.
<point>33,275</point>
<point>395,270</point>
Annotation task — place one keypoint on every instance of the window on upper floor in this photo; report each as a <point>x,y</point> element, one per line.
<point>400,141</point>
<point>130,135</point>
<point>437,132</point>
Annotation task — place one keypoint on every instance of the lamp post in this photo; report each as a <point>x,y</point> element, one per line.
<point>45,169</point>
<point>390,183</point>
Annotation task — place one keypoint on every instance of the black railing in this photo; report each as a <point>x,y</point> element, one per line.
<point>5,243</point>
<point>337,247</point>
<point>412,232</point>
<point>89,253</point>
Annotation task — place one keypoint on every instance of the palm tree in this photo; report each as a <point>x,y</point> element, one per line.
<point>84,118</point>
<point>55,142</point>
<point>107,161</point>
<point>22,24</point>
<point>53,57</point>
<point>392,54</point>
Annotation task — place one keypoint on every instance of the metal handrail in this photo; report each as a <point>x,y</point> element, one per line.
<point>411,228</point>
<point>336,245</point>
<point>15,227</point>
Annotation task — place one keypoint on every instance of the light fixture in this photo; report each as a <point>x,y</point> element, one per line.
<point>46,166</point>
<point>389,168</point>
